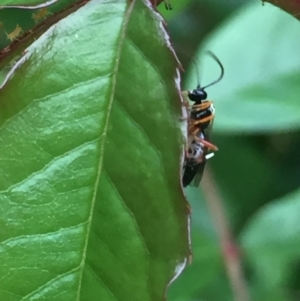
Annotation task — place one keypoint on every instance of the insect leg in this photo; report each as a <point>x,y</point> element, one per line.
<point>168,5</point>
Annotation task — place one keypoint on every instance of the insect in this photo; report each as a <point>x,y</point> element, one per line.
<point>168,5</point>
<point>199,130</point>
<point>40,14</point>
<point>195,159</point>
<point>15,33</point>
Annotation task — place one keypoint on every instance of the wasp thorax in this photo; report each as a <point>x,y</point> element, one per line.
<point>197,95</point>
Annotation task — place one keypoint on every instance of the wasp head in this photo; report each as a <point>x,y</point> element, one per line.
<point>197,95</point>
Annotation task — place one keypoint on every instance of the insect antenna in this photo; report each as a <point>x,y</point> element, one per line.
<point>221,67</point>
<point>197,72</point>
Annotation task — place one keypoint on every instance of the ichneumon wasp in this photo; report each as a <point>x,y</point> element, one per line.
<point>200,124</point>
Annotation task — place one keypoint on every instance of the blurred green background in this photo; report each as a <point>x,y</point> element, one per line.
<point>257,167</point>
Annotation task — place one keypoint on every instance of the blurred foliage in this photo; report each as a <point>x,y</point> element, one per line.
<point>20,27</point>
<point>12,19</point>
<point>257,131</point>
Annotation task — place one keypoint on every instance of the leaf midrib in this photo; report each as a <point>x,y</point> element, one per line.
<point>100,164</point>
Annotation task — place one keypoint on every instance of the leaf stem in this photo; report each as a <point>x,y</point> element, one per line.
<point>229,247</point>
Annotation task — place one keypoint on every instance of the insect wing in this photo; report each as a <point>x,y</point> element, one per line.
<point>199,174</point>
<point>195,160</point>
<point>191,171</point>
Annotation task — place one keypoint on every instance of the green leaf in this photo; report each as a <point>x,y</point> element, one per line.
<point>271,240</point>
<point>257,170</point>
<point>207,261</point>
<point>26,3</point>
<point>91,200</point>
<point>259,48</point>
<point>18,25</point>
<point>204,269</point>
